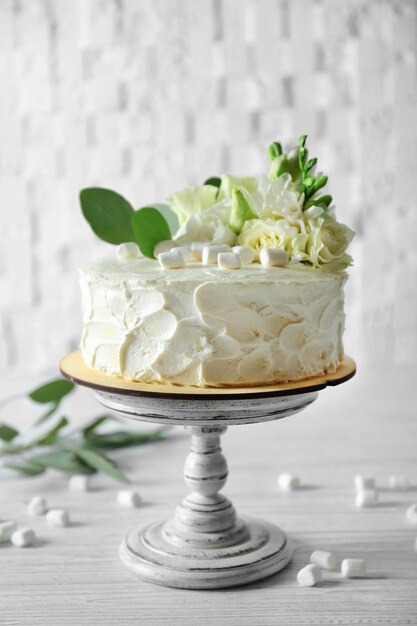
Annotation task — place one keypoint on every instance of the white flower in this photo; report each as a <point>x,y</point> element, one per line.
<point>328,241</point>
<point>268,233</point>
<point>228,183</point>
<point>192,201</point>
<point>277,199</point>
<point>210,226</point>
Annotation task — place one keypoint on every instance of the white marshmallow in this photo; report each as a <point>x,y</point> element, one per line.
<point>288,482</point>
<point>364,482</point>
<point>229,261</point>
<point>128,498</point>
<point>80,482</point>
<point>273,257</point>
<point>353,568</point>
<point>187,253</point>
<point>411,514</point>
<point>171,260</point>
<point>58,517</point>
<point>127,251</point>
<point>163,246</point>
<point>325,560</point>
<point>210,253</point>
<point>366,497</point>
<point>309,576</point>
<point>246,254</point>
<point>197,248</point>
<point>23,537</point>
<point>7,528</point>
<point>401,483</point>
<point>37,506</point>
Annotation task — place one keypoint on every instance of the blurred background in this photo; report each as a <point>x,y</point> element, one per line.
<point>149,96</point>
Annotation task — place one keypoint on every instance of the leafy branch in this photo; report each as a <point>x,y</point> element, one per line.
<point>51,443</point>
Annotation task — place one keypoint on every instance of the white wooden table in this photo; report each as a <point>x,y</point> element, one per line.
<point>369,425</point>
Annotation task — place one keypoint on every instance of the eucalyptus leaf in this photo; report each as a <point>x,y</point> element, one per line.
<point>122,439</point>
<point>215,181</point>
<point>7,433</point>
<point>169,215</point>
<point>108,213</point>
<point>52,435</point>
<point>64,460</point>
<point>90,429</point>
<point>53,391</point>
<point>149,227</point>
<point>31,469</point>
<point>102,464</point>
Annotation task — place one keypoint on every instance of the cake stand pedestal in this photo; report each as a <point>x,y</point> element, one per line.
<point>205,545</point>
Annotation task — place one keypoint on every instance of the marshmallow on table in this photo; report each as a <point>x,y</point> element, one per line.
<point>364,482</point>
<point>229,261</point>
<point>128,498</point>
<point>37,506</point>
<point>163,246</point>
<point>309,576</point>
<point>171,260</point>
<point>398,482</point>
<point>411,514</point>
<point>197,248</point>
<point>246,254</point>
<point>210,253</point>
<point>325,560</point>
<point>353,568</point>
<point>366,497</point>
<point>23,537</point>
<point>273,257</point>
<point>7,528</point>
<point>127,251</point>
<point>58,517</point>
<point>80,482</point>
<point>288,482</point>
<point>187,253</point>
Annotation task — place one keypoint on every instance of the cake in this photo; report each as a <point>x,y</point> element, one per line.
<point>246,288</point>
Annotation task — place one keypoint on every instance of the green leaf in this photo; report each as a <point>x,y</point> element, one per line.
<point>31,469</point>
<point>241,210</point>
<point>89,430</point>
<point>108,214</point>
<point>102,464</point>
<point>317,184</point>
<point>53,391</point>
<point>274,150</point>
<point>64,460</point>
<point>310,164</point>
<point>149,227</point>
<point>302,141</point>
<point>278,166</point>
<point>7,433</point>
<point>122,439</point>
<point>169,215</point>
<point>52,435</point>
<point>215,181</point>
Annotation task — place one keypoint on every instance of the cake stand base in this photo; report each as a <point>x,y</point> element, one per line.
<point>150,555</point>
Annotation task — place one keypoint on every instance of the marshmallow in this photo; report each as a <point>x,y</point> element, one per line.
<point>163,246</point>
<point>411,514</point>
<point>229,261</point>
<point>80,482</point>
<point>209,254</point>
<point>170,260</point>
<point>273,257</point>
<point>187,253</point>
<point>367,497</point>
<point>7,528</point>
<point>197,248</point>
<point>353,568</point>
<point>246,254</point>
<point>23,537</point>
<point>364,482</point>
<point>401,483</point>
<point>288,482</point>
<point>309,576</point>
<point>37,506</point>
<point>325,560</point>
<point>127,251</point>
<point>128,498</point>
<point>58,517</point>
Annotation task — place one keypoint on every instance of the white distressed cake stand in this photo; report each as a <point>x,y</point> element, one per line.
<point>205,545</point>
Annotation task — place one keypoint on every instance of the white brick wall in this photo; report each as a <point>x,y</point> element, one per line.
<point>147,96</point>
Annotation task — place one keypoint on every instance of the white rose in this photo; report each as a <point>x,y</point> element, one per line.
<point>328,241</point>
<point>268,233</point>
<point>210,226</point>
<point>192,201</point>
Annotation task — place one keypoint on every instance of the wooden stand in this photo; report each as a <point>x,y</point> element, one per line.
<point>205,545</point>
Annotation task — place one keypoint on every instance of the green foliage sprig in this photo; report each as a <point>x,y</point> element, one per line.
<point>113,219</point>
<point>52,444</point>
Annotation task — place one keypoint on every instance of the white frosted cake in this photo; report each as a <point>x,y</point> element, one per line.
<point>173,307</point>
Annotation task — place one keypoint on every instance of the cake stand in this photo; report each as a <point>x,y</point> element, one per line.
<point>205,545</point>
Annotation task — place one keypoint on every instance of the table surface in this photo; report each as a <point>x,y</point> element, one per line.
<point>366,426</point>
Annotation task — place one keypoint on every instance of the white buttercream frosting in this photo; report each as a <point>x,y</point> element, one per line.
<point>202,326</point>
